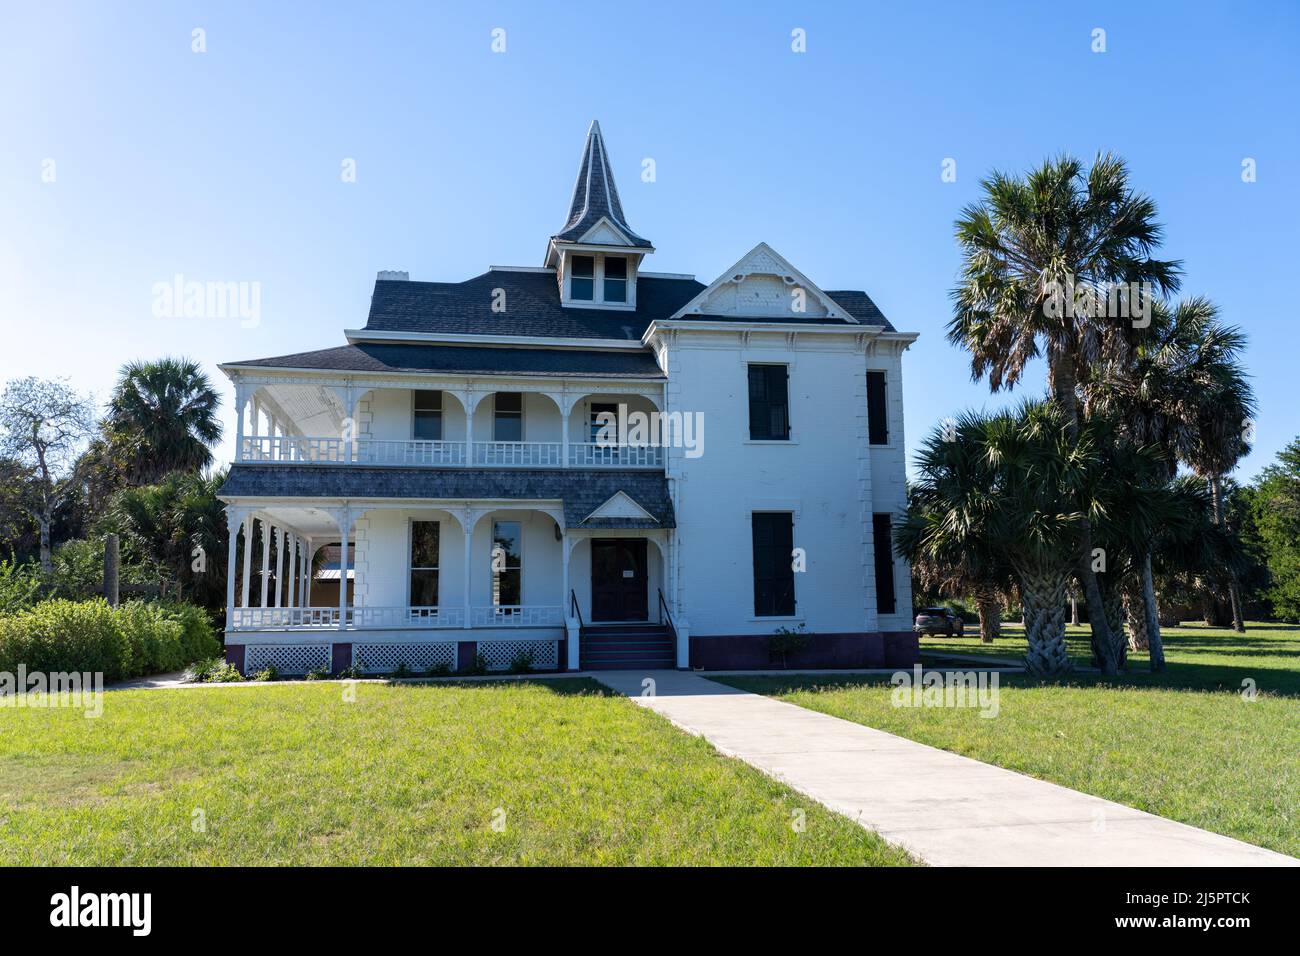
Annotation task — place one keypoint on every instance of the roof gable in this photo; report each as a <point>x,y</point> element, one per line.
<point>764,285</point>
<point>620,505</point>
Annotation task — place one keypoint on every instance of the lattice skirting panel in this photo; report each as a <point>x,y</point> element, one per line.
<point>500,654</point>
<point>418,658</point>
<point>286,658</point>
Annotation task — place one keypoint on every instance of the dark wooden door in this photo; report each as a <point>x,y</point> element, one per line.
<point>619,588</point>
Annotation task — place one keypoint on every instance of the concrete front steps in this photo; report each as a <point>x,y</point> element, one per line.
<point>616,647</point>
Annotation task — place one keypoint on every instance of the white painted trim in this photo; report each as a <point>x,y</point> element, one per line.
<point>668,275</point>
<point>550,269</point>
<point>833,308</point>
<point>619,496</point>
<point>362,335</point>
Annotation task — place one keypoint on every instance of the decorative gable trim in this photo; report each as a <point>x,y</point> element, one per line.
<point>621,505</point>
<point>606,233</point>
<point>763,284</point>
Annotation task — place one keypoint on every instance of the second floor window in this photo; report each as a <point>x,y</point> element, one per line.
<point>877,409</point>
<point>507,564</point>
<point>582,278</point>
<point>428,416</point>
<point>769,403</point>
<point>424,564</point>
<point>615,279</point>
<point>508,417</point>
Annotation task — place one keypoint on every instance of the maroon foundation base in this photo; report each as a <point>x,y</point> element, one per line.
<point>235,656</point>
<point>748,652</point>
<point>466,652</point>
<point>340,658</point>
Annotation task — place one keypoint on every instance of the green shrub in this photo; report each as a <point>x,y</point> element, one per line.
<point>136,638</point>
<point>20,586</point>
<point>401,670</point>
<point>63,635</point>
<point>439,670</point>
<point>522,662</point>
<point>216,670</point>
<point>267,673</point>
<point>317,673</point>
<point>479,667</point>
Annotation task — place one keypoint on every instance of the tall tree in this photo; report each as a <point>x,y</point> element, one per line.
<point>1043,257</point>
<point>1182,389</point>
<point>163,416</point>
<point>44,426</point>
<point>1276,506</point>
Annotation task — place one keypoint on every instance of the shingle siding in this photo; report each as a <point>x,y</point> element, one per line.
<point>581,491</point>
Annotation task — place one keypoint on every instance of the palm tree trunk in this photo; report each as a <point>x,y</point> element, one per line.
<point>1061,379</point>
<point>990,611</point>
<point>1234,595</point>
<point>1155,642</point>
<point>1044,592</point>
<point>1135,617</point>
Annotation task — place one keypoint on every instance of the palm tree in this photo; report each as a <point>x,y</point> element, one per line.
<point>163,415</point>
<point>1181,389</point>
<point>1029,239</point>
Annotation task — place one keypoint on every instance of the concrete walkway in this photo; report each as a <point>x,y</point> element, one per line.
<point>946,809</point>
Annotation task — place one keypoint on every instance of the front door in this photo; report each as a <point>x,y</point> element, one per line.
<point>619,589</point>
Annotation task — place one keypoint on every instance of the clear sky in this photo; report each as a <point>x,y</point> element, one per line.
<point>226,165</point>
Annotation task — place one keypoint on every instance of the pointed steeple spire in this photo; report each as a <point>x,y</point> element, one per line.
<point>595,195</point>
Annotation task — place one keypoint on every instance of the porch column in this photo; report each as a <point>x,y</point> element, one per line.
<point>469,549</point>
<point>256,414</point>
<point>266,559</point>
<point>311,557</point>
<point>233,519</point>
<point>248,560</point>
<point>279,567</point>
<point>241,402</point>
<point>571,633</point>
<point>291,582</point>
<point>467,399</point>
<point>345,519</point>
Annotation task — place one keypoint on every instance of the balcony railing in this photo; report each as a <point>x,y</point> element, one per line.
<point>368,617</point>
<point>298,449</point>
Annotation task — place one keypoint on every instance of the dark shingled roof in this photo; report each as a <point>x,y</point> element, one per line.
<point>532,307</point>
<point>595,195</point>
<point>581,490</point>
<point>380,357</point>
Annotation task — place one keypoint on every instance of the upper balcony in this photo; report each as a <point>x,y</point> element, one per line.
<point>531,427</point>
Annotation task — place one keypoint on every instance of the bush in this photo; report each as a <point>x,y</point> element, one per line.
<point>522,662</point>
<point>268,673</point>
<point>20,586</point>
<point>216,670</point>
<point>785,641</point>
<point>134,639</point>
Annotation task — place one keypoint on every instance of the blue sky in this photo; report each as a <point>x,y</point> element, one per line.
<point>225,165</point>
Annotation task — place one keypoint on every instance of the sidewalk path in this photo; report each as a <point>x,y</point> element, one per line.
<point>946,809</point>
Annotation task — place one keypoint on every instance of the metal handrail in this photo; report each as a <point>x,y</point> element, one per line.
<point>573,606</point>
<point>663,605</point>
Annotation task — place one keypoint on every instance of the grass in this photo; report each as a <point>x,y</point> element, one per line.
<point>407,774</point>
<point>1185,745</point>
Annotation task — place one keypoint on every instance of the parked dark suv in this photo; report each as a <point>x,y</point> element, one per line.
<point>939,620</point>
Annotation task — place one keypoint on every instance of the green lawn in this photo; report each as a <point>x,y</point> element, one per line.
<point>1185,745</point>
<point>409,774</point>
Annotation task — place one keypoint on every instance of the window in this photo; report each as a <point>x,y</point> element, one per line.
<point>615,279</point>
<point>773,564</point>
<point>507,564</point>
<point>424,563</point>
<point>769,403</point>
<point>582,278</point>
<point>884,548</point>
<point>877,409</point>
<point>597,423</point>
<point>428,416</point>
<point>508,417</point>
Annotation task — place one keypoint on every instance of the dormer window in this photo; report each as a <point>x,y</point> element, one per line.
<point>599,280</point>
<point>582,278</point>
<point>615,279</point>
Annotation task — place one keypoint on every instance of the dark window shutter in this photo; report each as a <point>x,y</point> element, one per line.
<point>769,403</point>
<point>884,549</point>
<point>773,564</point>
<point>877,409</point>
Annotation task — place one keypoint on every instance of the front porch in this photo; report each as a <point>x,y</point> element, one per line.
<point>431,586</point>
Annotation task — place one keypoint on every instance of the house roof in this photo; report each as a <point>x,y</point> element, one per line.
<point>595,196</point>
<point>581,491</point>
<point>470,360</point>
<point>532,307</point>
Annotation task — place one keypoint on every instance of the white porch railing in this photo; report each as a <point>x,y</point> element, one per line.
<point>257,618</point>
<point>598,455</point>
<point>372,451</point>
<point>369,618</point>
<point>517,615</point>
<point>518,453</point>
<point>489,454</point>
